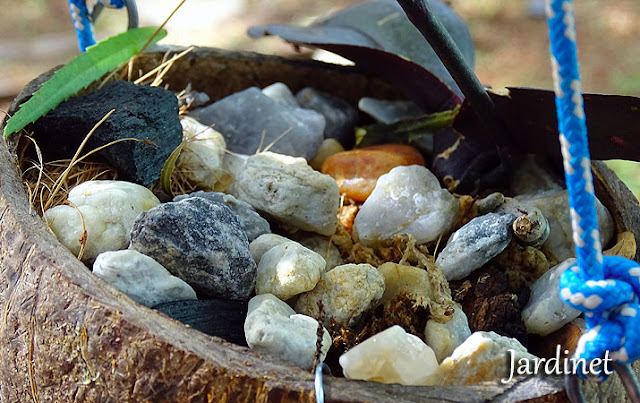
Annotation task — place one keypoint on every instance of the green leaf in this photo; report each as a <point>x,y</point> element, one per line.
<point>87,67</point>
<point>406,131</point>
<point>168,168</point>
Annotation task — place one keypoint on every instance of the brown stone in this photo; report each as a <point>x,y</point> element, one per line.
<point>357,171</point>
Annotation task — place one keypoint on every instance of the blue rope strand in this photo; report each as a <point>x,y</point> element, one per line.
<point>80,17</point>
<point>573,138</point>
<point>605,289</point>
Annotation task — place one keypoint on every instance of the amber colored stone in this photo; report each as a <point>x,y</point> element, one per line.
<point>357,171</point>
<point>347,215</point>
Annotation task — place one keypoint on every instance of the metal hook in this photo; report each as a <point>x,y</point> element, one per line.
<point>317,383</point>
<point>132,13</point>
<point>627,376</point>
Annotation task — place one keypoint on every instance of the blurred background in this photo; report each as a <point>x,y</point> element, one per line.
<point>510,38</point>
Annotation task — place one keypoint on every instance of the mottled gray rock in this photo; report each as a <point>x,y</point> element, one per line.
<point>273,328</point>
<point>201,242</point>
<point>251,121</point>
<point>251,222</point>
<point>290,191</point>
<point>473,245</point>
<point>407,200</point>
<point>340,116</point>
<point>546,312</point>
<point>386,111</point>
<point>346,293</point>
<point>140,277</point>
<point>281,93</point>
<point>141,112</point>
<point>288,269</point>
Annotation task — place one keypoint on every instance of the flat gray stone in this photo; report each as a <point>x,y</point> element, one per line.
<point>388,111</point>
<point>340,116</point>
<point>251,121</point>
<point>473,245</point>
<point>140,277</point>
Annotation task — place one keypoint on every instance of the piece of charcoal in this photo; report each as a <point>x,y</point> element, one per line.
<point>216,317</point>
<point>140,111</point>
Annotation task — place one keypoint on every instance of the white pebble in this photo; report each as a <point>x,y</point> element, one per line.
<point>202,155</point>
<point>290,191</point>
<point>407,200</point>
<point>288,269</point>
<point>346,293</point>
<point>328,147</point>
<point>109,209</point>
<point>263,243</point>
<point>483,357</point>
<point>279,92</point>
<point>443,338</point>
<point>140,277</point>
<point>391,356</point>
<point>274,329</point>
<point>322,246</point>
<point>546,312</point>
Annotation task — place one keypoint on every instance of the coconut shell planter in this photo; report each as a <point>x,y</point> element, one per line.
<point>71,336</point>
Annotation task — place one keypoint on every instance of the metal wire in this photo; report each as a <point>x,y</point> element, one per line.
<point>625,372</point>
<point>132,13</point>
<point>319,386</point>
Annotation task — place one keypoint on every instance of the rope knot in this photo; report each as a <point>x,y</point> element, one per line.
<point>611,310</point>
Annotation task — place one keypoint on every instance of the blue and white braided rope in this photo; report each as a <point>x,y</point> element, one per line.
<point>80,16</point>
<point>606,288</point>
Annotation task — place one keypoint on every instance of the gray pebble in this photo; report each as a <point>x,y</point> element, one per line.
<point>546,312</point>
<point>200,242</point>
<point>252,223</point>
<point>340,116</point>
<point>251,121</point>
<point>386,111</point>
<point>473,245</point>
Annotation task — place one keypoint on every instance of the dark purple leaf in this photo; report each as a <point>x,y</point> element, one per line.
<point>419,84</point>
<point>530,116</point>
<point>379,38</point>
